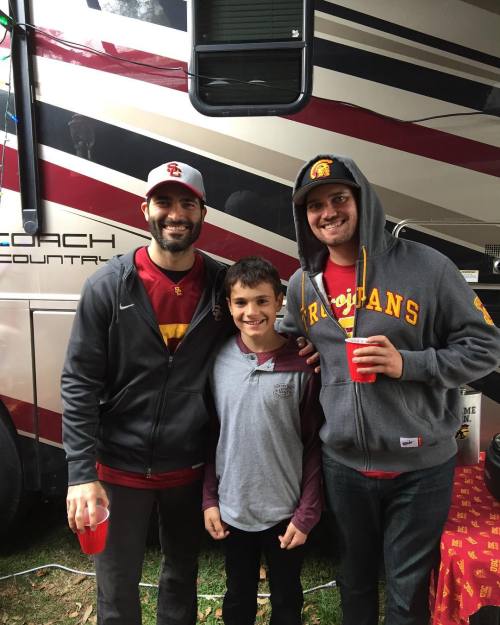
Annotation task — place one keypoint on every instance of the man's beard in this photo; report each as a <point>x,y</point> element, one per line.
<point>179,244</point>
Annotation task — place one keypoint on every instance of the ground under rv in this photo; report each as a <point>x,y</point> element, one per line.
<point>110,100</point>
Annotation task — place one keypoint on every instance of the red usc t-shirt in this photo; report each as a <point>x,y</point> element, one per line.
<point>173,303</point>
<point>340,286</point>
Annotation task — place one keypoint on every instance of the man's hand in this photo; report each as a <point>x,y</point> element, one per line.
<point>83,496</point>
<point>306,348</point>
<point>213,523</point>
<point>293,537</point>
<point>383,358</point>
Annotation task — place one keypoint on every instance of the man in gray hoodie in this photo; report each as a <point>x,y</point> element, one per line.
<point>388,447</point>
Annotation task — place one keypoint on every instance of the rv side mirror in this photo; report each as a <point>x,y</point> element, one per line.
<point>251,58</point>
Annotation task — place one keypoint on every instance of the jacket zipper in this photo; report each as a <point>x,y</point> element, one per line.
<point>192,325</point>
<point>158,416</point>
<point>148,469</point>
<point>359,412</point>
<point>202,314</point>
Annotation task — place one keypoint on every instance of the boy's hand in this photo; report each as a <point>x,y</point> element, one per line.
<point>213,523</point>
<point>293,537</point>
<point>306,348</point>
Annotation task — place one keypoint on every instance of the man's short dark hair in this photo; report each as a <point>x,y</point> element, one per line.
<point>251,271</point>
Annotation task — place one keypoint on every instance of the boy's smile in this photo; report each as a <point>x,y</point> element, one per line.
<point>254,312</point>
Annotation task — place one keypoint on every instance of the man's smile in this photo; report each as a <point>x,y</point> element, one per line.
<point>334,224</point>
<point>176,227</point>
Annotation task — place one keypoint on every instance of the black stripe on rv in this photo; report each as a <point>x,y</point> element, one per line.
<point>407,76</point>
<point>406,33</point>
<point>247,196</point>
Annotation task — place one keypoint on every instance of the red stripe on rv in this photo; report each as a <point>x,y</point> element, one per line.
<point>167,72</point>
<point>49,425</point>
<point>70,188</point>
<point>23,416</point>
<point>22,413</point>
<point>404,136</point>
<point>320,113</point>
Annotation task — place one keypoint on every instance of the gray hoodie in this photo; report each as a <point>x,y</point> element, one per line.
<point>418,299</point>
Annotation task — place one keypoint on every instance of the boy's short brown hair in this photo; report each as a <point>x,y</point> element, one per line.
<point>251,271</point>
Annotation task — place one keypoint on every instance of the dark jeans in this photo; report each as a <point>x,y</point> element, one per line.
<point>396,522</point>
<point>119,566</point>
<point>243,551</point>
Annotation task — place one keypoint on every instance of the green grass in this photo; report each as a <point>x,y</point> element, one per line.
<point>56,597</point>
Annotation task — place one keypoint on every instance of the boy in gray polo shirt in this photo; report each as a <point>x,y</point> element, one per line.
<point>262,490</point>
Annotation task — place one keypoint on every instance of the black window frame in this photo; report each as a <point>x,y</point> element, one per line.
<point>198,50</point>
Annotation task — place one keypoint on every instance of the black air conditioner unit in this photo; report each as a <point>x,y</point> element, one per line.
<point>250,57</point>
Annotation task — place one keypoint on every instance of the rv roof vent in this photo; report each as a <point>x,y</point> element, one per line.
<point>492,249</point>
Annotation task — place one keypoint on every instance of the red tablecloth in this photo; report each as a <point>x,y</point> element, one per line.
<point>469,573</point>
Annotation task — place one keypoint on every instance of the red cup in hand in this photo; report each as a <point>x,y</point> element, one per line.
<point>93,542</point>
<point>352,344</point>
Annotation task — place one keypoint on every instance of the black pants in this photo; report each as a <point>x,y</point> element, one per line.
<point>243,553</point>
<point>119,566</point>
<point>397,522</point>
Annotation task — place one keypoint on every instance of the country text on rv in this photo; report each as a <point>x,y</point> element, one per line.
<point>54,242</point>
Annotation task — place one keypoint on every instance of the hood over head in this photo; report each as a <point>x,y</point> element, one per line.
<point>327,169</point>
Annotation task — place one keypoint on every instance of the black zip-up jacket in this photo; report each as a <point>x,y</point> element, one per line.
<point>127,401</point>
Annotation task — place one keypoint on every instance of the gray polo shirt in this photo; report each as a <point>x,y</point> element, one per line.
<point>263,437</point>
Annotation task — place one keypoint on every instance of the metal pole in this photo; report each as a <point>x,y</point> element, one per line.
<point>24,98</point>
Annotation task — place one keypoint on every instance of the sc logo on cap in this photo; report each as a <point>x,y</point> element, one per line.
<point>321,169</point>
<point>174,170</point>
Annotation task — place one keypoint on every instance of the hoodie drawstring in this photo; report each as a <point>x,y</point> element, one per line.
<point>303,302</point>
<point>362,288</point>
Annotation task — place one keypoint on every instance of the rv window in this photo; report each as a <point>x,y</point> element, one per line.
<point>250,58</point>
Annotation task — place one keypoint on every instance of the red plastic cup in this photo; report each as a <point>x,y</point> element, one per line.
<point>93,542</point>
<point>356,376</point>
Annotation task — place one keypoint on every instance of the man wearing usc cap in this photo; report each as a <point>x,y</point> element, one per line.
<point>388,447</point>
<point>134,418</point>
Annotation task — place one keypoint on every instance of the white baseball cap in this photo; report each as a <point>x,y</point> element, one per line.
<point>177,172</point>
